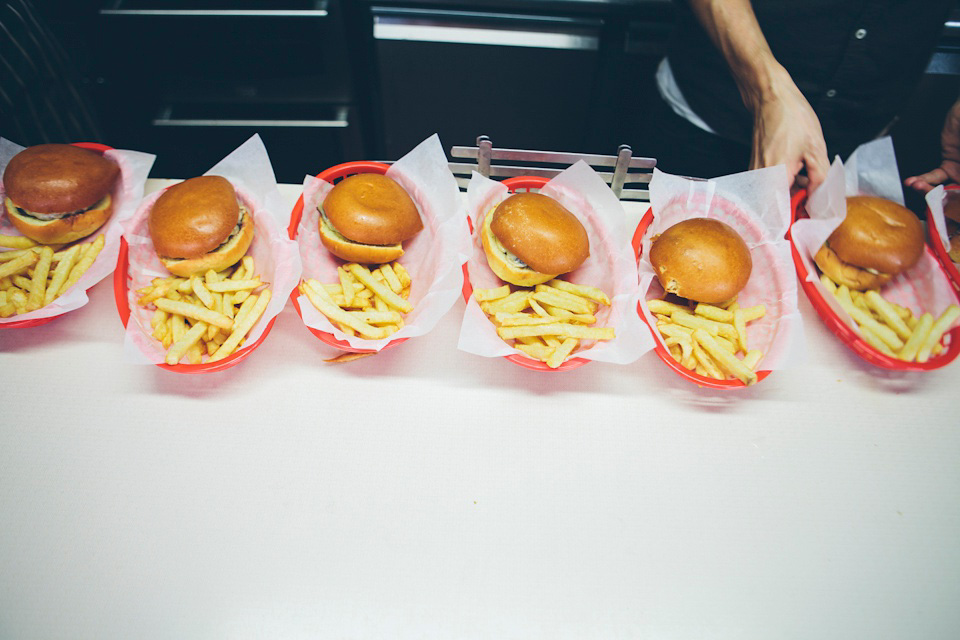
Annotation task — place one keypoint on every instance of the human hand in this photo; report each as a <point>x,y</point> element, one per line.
<point>787,131</point>
<point>949,169</point>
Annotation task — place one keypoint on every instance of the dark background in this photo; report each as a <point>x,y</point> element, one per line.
<point>368,80</point>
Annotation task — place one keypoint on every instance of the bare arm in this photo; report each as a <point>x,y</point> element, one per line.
<point>949,169</point>
<point>785,128</point>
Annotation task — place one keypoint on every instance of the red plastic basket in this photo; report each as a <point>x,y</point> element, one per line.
<point>332,175</point>
<point>23,324</point>
<point>844,332</point>
<point>660,349</point>
<point>939,250</point>
<point>121,290</point>
<point>522,183</point>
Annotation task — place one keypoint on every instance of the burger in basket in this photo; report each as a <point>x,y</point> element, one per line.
<point>877,241</point>
<point>200,224</point>
<point>703,264</point>
<point>366,217</point>
<point>59,193</point>
<point>531,238</point>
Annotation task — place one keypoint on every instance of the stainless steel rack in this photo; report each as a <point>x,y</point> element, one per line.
<point>628,178</point>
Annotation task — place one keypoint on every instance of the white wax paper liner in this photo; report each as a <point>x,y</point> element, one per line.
<point>757,205</point>
<point>134,169</point>
<point>611,266</point>
<point>275,256</point>
<point>434,257</point>
<point>870,170</point>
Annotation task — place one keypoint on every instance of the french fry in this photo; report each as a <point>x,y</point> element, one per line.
<point>940,326</point>
<point>16,242</point>
<point>563,300</point>
<point>711,312</point>
<point>60,273</point>
<point>362,274</point>
<point>584,291</point>
<point>536,351</point>
<point>185,342</point>
<point>917,338</point>
<point>402,275</point>
<point>195,312</point>
<point>724,358</point>
<point>84,263</point>
<point>234,285</point>
<point>391,278</point>
<point>241,329</point>
<point>198,288</point>
<point>558,329</point>
<point>487,295</point>
<point>514,303</point>
<point>525,319</point>
<point>19,264</point>
<point>887,313</point>
<point>706,363</point>
<point>38,287</point>
<point>664,307</point>
<point>560,353</point>
<point>326,306</point>
<point>347,289</point>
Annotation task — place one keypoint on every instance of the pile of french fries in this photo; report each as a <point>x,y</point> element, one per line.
<point>707,338</point>
<point>32,276</point>
<point>364,303</point>
<point>547,322</point>
<point>208,317</point>
<point>890,328</point>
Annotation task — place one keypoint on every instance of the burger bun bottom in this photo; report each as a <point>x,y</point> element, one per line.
<point>224,256</point>
<point>500,263</point>
<point>61,230</point>
<point>846,274</point>
<point>350,251</point>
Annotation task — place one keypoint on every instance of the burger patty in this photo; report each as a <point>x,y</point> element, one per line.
<point>56,216</point>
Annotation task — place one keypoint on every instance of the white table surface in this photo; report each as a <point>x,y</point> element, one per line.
<point>430,493</point>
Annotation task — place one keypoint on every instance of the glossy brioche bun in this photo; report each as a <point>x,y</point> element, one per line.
<point>877,241</point>
<point>59,179</point>
<point>701,259</point>
<point>191,226</point>
<point>537,231</point>
<point>366,217</point>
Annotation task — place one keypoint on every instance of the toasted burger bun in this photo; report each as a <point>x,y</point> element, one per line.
<point>57,193</point>
<point>366,217</point>
<point>530,238</point>
<point>198,225</point>
<point>877,241</point>
<point>701,259</point>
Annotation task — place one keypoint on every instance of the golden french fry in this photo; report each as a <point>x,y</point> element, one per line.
<point>234,285</point>
<point>211,276</point>
<point>388,296</point>
<point>664,307</point>
<point>687,319</point>
<point>752,359</point>
<point>584,291</point>
<point>711,312</point>
<point>378,317</point>
<point>38,287</point>
<point>391,278</point>
<point>740,326</point>
<point>349,357</point>
<point>884,333</point>
<point>337,315</point>
<point>560,353</point>
<point>917,338</point>
<point>402,274</point>
<point>487,295</point>
<point>19,264</point>
<point>84,263</point>
<point>724,358</point>
<point>346,286</point>
<point>198,288</point>
<point>940,326</point>
<point>524,319</point>
<point>515,302</point>
<point>563,300</point>
<point>559,330</point>
<point>536,351</point>
<point>240,331</point>
<point>185,342</point>
<point>195,312</point>
<point>887,313</point>
<point>706,363</point>
<point>16,242</point>
<point>60,273</point>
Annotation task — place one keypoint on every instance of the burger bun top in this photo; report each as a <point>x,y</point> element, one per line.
<point>194,217</point>
<point>371,208</point>
<point>701,259</point>
<point>541,232</point>
<point>58,178</point>
<point>878,234</point>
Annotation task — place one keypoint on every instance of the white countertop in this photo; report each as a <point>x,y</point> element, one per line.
<point>429,493</point>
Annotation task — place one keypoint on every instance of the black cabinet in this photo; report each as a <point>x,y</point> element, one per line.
<point>189,81</point>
